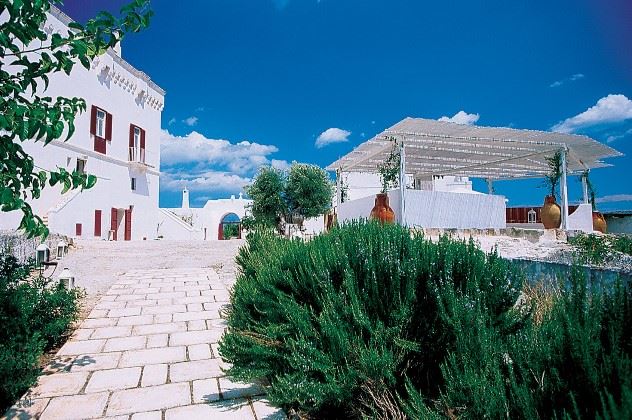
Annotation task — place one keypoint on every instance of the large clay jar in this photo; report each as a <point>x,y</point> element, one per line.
<point>599,223</point>
<point>381,211</point>
<point>551,214</point>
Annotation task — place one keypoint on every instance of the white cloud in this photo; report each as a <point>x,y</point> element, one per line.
<point>608,110</point>
<point>614,198</point>
<point>195,148</point>
<point>573,78</point>
<point>280,164</point>
<point>332,135</point>
<point>462,117</point>
<point>191,121</point>
<point>615,137</point>
<point>171,121</point>
<point>209,166</point>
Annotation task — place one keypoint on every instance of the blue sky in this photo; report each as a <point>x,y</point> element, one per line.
<point>252,82</point>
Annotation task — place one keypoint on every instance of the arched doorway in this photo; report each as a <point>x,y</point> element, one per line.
<point>229,227</point>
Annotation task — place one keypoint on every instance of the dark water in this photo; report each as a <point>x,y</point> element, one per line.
<point>551,273</point>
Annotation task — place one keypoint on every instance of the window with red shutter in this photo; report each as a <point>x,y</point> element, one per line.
<point>142,145</point>
<point>114,223</point>
<point>108,126</point>
<point>128,225</point>
<point>78,229</point>
<point>97,223</point>
<point>93,121</point>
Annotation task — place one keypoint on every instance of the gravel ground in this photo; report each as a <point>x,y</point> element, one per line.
<point>95,264</point>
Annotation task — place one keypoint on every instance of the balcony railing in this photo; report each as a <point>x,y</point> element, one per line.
<point>136,155</point>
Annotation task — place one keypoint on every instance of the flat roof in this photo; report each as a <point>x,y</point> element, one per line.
<point>444,148</point>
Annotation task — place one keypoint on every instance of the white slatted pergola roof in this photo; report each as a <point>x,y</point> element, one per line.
<point>446,148</point>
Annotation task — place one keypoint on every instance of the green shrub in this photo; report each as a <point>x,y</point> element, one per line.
<point>573,363</point>
<point>35,318</point>
<point>337,324</point>
<point>597,249</point>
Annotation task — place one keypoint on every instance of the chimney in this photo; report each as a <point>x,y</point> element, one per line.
<point>185,198</point>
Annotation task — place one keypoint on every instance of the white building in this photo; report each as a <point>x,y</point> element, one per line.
<point>117,139</point>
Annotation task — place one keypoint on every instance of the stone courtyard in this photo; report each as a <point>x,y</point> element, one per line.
<point>148,350</point>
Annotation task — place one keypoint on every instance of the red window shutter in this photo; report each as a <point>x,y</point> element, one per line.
<point>78,229</point>
<point>131,135</point>
<point>142,138</point>
<point>99,144</point>
<point>128,224</point>
<point>114,222</point>
<point>97,223</point>
<point>93,121</point>
<point>108,126</point>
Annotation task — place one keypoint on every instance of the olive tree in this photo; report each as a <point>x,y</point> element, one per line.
<point>28,56</point>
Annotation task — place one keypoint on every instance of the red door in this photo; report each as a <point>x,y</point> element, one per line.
<point>128,224</point>
<point>114,223</point>
<point>78,229</point>
<point>97,223</point>
<point>220,232</point>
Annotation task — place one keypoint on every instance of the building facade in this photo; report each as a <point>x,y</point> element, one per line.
<point>117,139</point>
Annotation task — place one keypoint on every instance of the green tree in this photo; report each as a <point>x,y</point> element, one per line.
<point>267,192</point>
<point>28,57</point>
<point>308,190</point>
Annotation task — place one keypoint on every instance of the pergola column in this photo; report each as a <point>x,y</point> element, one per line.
<point>490,186</point>
<point>585,186</point>
<point>564,191</point>
<point>402,183</point>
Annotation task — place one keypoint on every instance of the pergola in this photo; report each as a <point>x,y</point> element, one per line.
<point>430,147</point>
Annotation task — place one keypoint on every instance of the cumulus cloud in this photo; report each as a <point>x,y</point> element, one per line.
<point>211,165</point>
<point>462,117</point>
<point>332,135</point>
<point>573,78</point>
<point>191,121</point>
<point>172,121</point>
<point>608,110</point>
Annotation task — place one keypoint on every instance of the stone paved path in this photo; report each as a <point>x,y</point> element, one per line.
<point>148,350</point>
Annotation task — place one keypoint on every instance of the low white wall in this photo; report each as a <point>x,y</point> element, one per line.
<point>170,226</point>
<point>581,219</point>
<point>436,209</point>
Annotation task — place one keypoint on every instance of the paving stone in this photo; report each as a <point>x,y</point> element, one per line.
<point>82,333</point>
<point>141,303</point>
<point>163,318</point>
<point>26,409</point>
<point>153,356</point>
<point>221,410</point>
<point>191,293</point>
<point>127,298</point>
<point>145,290</point>
<point>215,349</point>
<point>111,332</point>
<point>231,390</point>
<point>148,415</point>
<point>166,295</point>
<point>110,305</point>
<point>199,369</point>
<point>125,343</point>
<point>108,298</point>
<point>194,337</point>
<point>123,312</point>
<point>148,399</point>
<point>58,364</point>
<point>157,340</point>
<point>76,407</point>
<point>99,322</point>
<point>194,299</point>
<point>205,391</point>
<point>59,384</point>
<point>81,347</point>
<point>136,320</point>
<point>98,313</point>
<point>96,361</point>
<point>154,375</point>
<point>194,307</point>
<point>191,316</point>
<point>221,296</point>
<point>169,327</point>
<point>196,325</point>
<point>265,411</point>
<point>213,306</point>
<point>199,352</point>
<point>164,309</point>
<point>113,379</point>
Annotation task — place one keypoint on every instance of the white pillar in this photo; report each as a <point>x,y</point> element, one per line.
<point>185,198</point>
<point>490,186</point>
<point>585,186</point>
<point>338,188</point>
<point>564,192</point>
<point>402,183</point>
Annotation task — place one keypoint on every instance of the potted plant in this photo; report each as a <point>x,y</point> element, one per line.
<point>551,212</point>
<point>389,175</point>
<point>599,222</point>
